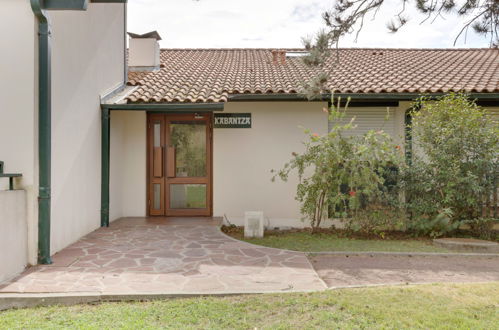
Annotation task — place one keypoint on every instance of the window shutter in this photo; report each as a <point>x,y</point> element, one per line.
<point>370,119</point>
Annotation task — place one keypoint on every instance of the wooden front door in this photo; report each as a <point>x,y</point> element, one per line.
<point>179,164</point>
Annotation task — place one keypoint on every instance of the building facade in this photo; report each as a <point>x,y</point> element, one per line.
<point>262,84</point>
<point>176,132</point>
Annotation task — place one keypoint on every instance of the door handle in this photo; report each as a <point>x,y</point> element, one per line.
<point>170,161</point>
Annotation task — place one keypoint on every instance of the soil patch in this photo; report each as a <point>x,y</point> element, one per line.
<point>238,232</point>
<point>329,241</point>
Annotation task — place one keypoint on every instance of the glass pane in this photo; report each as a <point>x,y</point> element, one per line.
<point>188,196</point>
<point>157,134</point>
<point>189,140</point>
<point>157,196</point>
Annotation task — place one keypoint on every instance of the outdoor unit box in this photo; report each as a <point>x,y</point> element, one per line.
<point>253,224</point>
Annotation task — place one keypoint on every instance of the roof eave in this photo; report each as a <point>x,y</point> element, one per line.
<point>219,106</point>
<point>353,96</point>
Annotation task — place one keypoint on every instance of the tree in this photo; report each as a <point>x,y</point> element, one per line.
<point>483,16</point>
<point>348,16</point>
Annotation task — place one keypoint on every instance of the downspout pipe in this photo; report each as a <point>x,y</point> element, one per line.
<point>44,131</point>
<point>105,167</point>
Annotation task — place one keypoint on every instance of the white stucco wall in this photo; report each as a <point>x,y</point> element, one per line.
<point>128,164</point>
<point>243,159</point>
<point>87,61</point>
<point>13,233</point>
<point>117,160</point>
<point>18,99</point>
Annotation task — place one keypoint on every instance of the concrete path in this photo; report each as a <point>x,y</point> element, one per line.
<point>360,270</point>
<point>167,256</point>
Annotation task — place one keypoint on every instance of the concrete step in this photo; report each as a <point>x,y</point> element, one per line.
<point>467,244</point>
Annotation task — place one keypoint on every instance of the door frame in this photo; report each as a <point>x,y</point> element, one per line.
<point>165,118</point>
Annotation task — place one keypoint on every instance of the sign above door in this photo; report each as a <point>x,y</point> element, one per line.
<point>232,120</point>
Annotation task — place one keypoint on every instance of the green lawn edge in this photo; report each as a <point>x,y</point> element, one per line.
<point>324,242</point>
<point>434,306</point>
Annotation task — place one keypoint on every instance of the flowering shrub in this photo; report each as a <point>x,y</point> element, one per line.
<point>340,175</point>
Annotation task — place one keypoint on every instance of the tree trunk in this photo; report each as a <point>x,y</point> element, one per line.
<point>318,213</point>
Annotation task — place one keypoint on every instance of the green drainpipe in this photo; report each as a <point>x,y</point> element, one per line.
<point>44,132</point>
<point>104,217</point>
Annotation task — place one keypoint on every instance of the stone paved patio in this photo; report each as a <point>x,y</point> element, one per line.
<point>167,256</point>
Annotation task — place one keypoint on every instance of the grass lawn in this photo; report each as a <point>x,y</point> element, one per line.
<point>303,241</point>
<point>442,306</point>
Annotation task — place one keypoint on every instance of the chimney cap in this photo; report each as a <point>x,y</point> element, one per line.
<point>148,35</point>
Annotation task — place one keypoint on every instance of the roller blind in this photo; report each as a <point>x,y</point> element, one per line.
<point>370,118</point>
<point>494,114</point>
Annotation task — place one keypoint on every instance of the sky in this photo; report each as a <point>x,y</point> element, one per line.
<point>281,24</point>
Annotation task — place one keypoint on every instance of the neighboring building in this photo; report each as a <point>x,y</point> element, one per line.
<point>162,145</point>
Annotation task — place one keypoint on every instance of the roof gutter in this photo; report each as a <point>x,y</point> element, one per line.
<point>44,132</point>
<point>166,107</point>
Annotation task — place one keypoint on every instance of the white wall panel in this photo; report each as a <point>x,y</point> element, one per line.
<point>243,159</point>
<point>18,102</point>
<point>87,61</point>
<point>13,233</point>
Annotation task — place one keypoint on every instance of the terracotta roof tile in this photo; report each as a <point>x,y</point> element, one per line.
<point>211,75</point>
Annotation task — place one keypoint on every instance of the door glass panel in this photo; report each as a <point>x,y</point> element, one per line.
<point>157,134</point>
<point>189,140</point>
<point>157,196</point>
<point>187,196</point>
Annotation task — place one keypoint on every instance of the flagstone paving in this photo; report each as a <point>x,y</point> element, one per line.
<point>167,256</point>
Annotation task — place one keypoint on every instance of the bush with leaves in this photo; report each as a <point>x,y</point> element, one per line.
<point>454,167</point>
<point>483,228</point>
<point>343,174</point>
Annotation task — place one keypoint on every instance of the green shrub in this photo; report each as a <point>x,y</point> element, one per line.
<point>454,167</point>
<point>434,226</point>
<point>483,227</point>
<point>376,219</point>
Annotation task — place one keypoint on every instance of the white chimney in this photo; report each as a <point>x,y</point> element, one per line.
<point>143,51</point>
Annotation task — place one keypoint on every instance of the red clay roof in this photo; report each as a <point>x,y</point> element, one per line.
<point>211,75</point>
